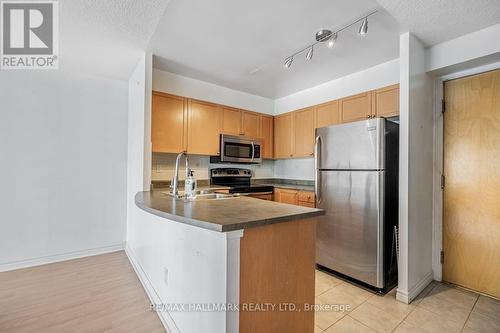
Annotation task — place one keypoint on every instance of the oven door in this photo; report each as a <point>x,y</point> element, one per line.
<point>236,149</point>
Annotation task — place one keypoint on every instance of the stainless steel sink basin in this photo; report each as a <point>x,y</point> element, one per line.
<point>212,196</point>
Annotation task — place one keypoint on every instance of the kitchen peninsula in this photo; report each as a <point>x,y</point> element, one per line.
<point>227,251</point>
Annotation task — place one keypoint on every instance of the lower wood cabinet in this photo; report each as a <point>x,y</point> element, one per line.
<point>268,197</point>
<point>295,197</point>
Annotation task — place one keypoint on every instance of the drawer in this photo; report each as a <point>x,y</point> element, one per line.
<point>307,204</point>
<point>307,196</point>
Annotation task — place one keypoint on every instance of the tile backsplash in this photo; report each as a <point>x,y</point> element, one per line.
<point>163,167</point>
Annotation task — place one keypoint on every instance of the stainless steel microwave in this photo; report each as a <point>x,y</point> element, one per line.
<point>238,149</point>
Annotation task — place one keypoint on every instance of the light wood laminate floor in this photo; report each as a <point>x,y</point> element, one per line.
<point>93,294</point>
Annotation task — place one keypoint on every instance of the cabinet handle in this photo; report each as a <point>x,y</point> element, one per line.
<point>368,117</point>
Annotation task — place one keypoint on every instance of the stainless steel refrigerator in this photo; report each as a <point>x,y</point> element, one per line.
<point>356,183</point>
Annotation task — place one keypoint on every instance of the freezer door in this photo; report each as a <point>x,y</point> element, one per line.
<point>349,236</point>
<point>358,145</point>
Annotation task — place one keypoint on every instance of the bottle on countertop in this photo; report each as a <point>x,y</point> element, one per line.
<point>190,185</point>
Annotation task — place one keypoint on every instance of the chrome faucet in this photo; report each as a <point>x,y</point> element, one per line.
<point>175,182</point>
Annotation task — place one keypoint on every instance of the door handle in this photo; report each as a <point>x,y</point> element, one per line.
<point>317,161</point>
<point>253,151</point>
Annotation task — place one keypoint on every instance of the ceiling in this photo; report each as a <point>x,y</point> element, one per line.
<point>242,44</point>
<point>436,21</point>
<point>106,37</point>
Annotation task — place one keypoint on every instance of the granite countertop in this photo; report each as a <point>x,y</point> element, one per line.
<point>299,187</point>
<point>222,214</point>
<point>293,184</point>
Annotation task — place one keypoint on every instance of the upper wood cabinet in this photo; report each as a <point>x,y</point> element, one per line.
<point>303,133</point>
<point>327,114</point>
<point>204,128</point>
<point>283,129</point>
<point>357,107</point>
<point>231,121</point>
<point>167,124</point>
<point>266,133</point>
<point>386,101</point>
<point>250,123</point>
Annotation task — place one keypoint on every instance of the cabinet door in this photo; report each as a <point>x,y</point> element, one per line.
<point>327,114</point>
<point>303,132</point>
<point>286,196</point>
<point>167,123</point>
<point>386,101</point>
<point>283,136</point>
<point>231,121</point>
<point>250,124</point>
<point>266,134</point>
<point>357,107</point>
<point>204,127</point>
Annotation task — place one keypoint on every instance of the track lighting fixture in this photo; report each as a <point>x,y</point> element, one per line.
<point>309,53</point>
<point>331,41</point>
<point>330,38</point>
<point>363,29</point>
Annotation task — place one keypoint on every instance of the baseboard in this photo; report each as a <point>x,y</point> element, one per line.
<point>10,266</point>
<point>165,318</point>
<point>407,297</point>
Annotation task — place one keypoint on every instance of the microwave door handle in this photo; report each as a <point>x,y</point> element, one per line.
<point>253,151</point>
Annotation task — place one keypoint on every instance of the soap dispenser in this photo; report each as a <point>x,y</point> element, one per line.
<point>190,185</point>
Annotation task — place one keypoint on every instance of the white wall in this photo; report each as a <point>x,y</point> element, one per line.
<point>63,142</point>
<point>372,78</point>
<point>475,49</point>
<point>297,168</point>
<point>416,170</point>
<point>187,87</point>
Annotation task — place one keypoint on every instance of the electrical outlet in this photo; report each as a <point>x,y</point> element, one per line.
<point>165,275</point>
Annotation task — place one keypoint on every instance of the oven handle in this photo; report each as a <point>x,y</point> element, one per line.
<point>253,151</point>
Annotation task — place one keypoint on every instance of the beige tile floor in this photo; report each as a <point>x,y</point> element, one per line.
<point>439,308</point>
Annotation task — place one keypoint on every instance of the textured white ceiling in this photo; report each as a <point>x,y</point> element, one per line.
<point>225,41</point>
<point>106,37</point>
<point>435,21</point>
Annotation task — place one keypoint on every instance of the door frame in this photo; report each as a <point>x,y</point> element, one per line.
<point>437,221</point>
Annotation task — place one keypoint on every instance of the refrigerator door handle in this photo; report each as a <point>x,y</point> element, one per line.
<point>317,178</point>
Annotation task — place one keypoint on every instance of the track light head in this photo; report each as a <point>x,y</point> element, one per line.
<point>288,62</point>
<point>310,53</point>
<point>363,29</point>
<point>332,40</point>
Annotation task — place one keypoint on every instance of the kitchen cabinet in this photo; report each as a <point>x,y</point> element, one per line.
<point>266,133</point>
<point>250,123</point>
<point>386,101</point>
<point>283,126</point>
<point>231,121</point>
<point>327,114</point>
<point>204,128</point>
<point>357,107</point>
<point>286,196</point>
<point>167,125</point>
<point>303,133</point>
<point>295,197</point>
<point>268,197</point>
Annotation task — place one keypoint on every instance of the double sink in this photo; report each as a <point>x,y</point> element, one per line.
<point>205,194</point>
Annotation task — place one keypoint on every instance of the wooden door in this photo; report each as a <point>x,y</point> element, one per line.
<point>231,121</point>
<point>286,196</point>
<point>204,127</point>
<point>357,107</point>
<point>167,123</point>
<point>386,101</point>
<point>267,136</point>
<point>283,136</point>
<point>250,124</point>
<point>304,132</point>
<point>327,114</point>
<point>471,197</point>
